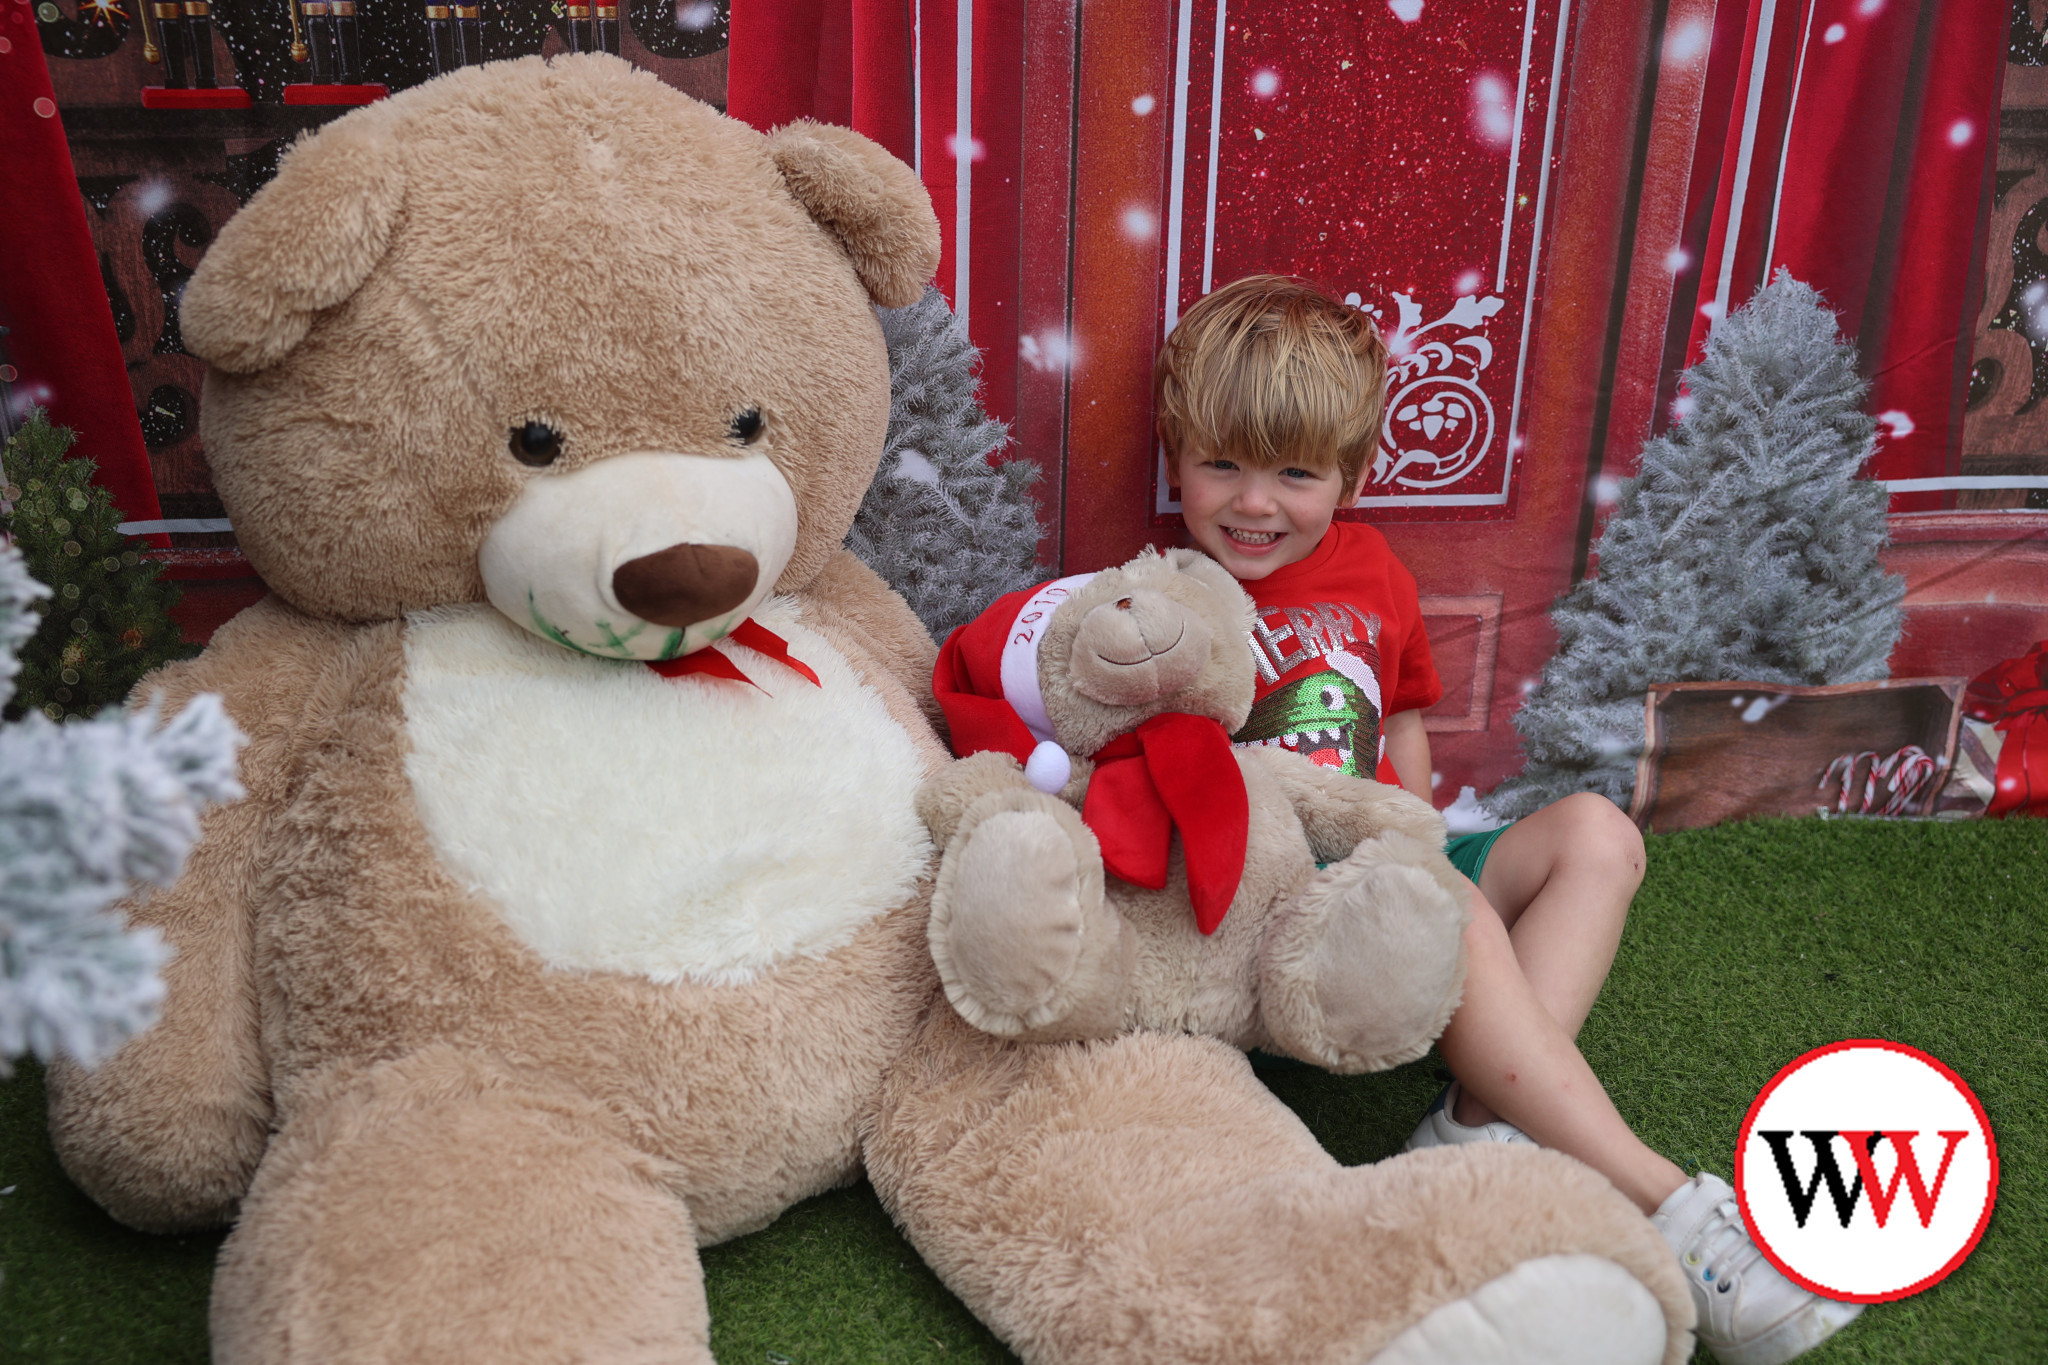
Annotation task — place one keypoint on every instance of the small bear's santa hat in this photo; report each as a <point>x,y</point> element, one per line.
<point>986,682</point>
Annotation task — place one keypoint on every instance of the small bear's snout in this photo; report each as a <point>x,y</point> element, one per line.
<point>685,584</point>
<point>1137,649</point>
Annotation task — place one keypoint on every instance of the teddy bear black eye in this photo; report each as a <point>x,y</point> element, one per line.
<point>536,444</point>
<point>746,428</point>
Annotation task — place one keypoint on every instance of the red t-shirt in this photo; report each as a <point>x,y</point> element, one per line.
<point>1338,645</point>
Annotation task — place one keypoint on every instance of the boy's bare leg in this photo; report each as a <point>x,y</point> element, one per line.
<point>1561,880</point>
<point>1507,1051</point>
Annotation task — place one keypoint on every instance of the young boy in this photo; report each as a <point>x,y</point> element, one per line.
<point>1268,397</point>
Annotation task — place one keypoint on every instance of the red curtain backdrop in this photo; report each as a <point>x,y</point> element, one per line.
<point>895,70</point>
<point>61,329</point>
<point>1859,152</point>
<point>849,62</point>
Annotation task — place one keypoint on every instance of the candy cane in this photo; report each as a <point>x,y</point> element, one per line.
<point>1846,766</point>
<point>1837,766</point>
<point>1908,771</point>
<point>1905,774</point>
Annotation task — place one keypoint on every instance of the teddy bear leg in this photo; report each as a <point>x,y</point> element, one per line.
<point>1363,967</point>
<point>1025,942</point>
<point>1145,1198</point>
<point>445,1208</point>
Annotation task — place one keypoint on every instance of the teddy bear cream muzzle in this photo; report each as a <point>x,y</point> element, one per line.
<point>647,556</point>
<point>1142,648</point>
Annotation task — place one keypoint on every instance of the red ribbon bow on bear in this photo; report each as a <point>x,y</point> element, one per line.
<point>1174,770</point>
<point>754,636</point>
<point>2013,696</point>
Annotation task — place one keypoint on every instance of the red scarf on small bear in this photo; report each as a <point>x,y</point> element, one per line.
<point>1174,770</point>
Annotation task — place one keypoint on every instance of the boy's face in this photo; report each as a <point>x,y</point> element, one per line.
<point>1254,521</point>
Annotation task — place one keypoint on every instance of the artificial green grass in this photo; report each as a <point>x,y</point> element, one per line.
<point>1748,945</point>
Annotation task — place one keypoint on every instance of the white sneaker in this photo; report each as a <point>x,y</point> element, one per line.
<point>1439,1129</point>
<point>1749,1313</point>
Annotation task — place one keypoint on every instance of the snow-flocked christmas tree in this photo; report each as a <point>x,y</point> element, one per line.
<point>1746,550</point>
<point>943,524</point>
<point>87,810</point>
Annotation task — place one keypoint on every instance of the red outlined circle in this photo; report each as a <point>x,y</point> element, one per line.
<point>1792,1068</point>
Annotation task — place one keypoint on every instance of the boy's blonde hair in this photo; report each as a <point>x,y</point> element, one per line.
<point>1271,371</point>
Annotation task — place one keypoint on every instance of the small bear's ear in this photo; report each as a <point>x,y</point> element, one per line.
<point>873,203</point>
<point>307,241</point>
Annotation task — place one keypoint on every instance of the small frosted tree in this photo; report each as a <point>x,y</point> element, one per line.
<point>1746,550</point>
<point>87,810</point>
<point>944,524</point>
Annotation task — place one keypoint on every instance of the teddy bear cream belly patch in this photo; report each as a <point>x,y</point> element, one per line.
<point>548,782</point>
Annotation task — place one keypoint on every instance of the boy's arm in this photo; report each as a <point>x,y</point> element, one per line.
<point>1408,750</point>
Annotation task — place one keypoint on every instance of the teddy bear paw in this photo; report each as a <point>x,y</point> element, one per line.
<point>1024,942</point>
<point>1366,966</point>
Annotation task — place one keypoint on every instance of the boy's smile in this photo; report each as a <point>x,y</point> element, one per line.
<point>1254,521</point>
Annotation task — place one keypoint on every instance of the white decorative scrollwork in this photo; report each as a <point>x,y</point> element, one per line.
<point>1439,423</point>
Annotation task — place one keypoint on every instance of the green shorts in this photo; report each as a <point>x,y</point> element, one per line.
<point>1468,852</point>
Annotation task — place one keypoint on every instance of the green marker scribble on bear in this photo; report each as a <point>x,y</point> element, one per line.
<point>620,645</point>
<point>615,645</point>
<point>1322,711</point>
<point>549,628</point>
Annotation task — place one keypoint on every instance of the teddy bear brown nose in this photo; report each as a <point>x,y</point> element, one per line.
<point>685,584</point>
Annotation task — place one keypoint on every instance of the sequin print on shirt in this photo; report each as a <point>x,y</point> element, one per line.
<point>1331,714</point>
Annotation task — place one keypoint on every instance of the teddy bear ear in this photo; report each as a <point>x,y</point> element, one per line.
<point>305,242</point>
<point>873,203</point>
<point>1207,572</point>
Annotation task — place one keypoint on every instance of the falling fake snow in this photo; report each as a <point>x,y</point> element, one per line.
<point>1493,108</point>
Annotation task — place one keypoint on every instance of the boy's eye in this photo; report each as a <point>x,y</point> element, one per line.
<point>1299,474</point>
<point>1227,466</point>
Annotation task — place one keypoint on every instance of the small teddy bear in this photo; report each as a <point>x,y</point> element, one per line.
<point>1092,718</point>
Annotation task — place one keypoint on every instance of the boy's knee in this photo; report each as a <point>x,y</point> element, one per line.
<point>1601,830</point>
<point>1485,931</point>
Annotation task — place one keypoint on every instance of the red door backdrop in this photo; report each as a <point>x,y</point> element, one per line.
<point>1523,194</point>
<point>1543,201</point>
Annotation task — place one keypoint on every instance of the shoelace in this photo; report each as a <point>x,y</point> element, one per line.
<point>1725,1245</point>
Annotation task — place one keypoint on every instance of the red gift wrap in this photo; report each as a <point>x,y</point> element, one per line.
<point>2012,697</point>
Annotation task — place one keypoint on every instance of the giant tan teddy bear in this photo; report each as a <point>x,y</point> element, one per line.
<point>576,914</point>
